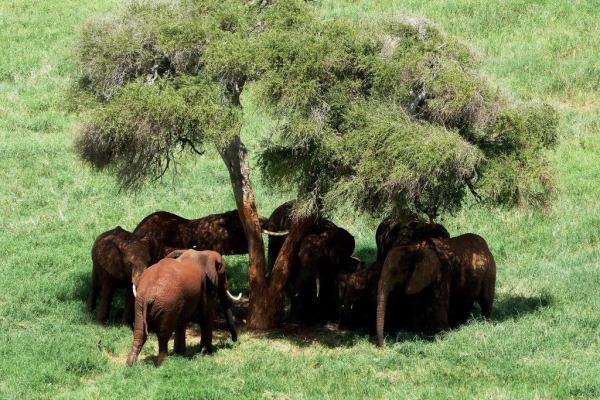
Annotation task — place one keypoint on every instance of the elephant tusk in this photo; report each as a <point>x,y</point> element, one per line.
<point>270,233</point>
<point>239,296</point>
<point>318,287</point>
<point>134,291</point>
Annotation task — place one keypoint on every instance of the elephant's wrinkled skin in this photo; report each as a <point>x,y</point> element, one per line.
<point>172,293</point>
<point>118,259</point>
<point>459,272</point>
<point>223,233</point>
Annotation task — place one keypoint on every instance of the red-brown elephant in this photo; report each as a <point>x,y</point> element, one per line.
<point>172,293</point>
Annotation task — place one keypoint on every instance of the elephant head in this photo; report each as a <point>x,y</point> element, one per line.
<point>123,255</point>
<point>323,253</point>
<point>412,268</point>
<point>359,297</point>
<point>405,230</point>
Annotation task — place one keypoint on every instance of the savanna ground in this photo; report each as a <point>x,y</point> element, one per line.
<point>544,341</point>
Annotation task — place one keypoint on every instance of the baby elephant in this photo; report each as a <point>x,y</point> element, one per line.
<point>172,293</point>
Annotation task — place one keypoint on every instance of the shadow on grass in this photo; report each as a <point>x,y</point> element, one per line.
<point>513,307</point>
<point>78,288</point>
<point>505,308</point>
<point>221,341</point>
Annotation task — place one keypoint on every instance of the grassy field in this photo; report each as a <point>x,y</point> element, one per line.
<point>545,338</point>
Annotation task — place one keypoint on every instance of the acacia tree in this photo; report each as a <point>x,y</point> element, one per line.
<point>381,115</point>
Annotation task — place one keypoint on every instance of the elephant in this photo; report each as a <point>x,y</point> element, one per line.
<point>223,233</point>
<point>173,292</point>
<point>358,297</point>
<point>280,221</point>
<point>323,254</point>
<point>118,258</point>
<point>453,274</point>
<point>406,229</point>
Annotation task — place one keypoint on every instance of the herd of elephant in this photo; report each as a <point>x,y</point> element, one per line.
<point>173,272</point>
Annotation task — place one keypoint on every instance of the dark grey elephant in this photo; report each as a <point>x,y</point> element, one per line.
<point>323,254</point>
<point>454,273</point>
<point>403,230</point>
<point>358,297</point>
<point>118,259</point>
<point>223,233</point>
<point>280,221</point>
<point>174,292</point>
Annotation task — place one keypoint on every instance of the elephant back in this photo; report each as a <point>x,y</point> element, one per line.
<point>405,230</point>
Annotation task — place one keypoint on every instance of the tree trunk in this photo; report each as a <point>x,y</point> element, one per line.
<point>235,157</point>
<point>275,297</point>
<point>266,298</point>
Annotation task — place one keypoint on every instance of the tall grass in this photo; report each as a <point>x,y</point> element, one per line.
<point>545,338</point>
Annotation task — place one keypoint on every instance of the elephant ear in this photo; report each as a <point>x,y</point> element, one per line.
<point>153,247</point>
<point>427,267</point>
<point>111,258</point>
<point>212,274</point>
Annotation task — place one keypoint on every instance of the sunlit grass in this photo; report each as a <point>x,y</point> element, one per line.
<point>545,338</point>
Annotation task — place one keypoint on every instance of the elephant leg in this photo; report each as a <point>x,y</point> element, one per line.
<point>129,307</point>
<point>108,292</point>
<point>327,302</point>
<point>179,342</point>
<point>486,301</point>
<point>163,343</point>
<point>416,313</point>
<point>460,314</point>
<point>91,301</point>
<point>441,306</point>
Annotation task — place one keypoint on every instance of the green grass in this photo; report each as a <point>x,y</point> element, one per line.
<point>543,343</point>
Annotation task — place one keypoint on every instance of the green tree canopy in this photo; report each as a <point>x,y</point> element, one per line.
<point>381,115</point>
<point>391,114</point>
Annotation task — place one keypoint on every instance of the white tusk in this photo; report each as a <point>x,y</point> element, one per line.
<point>270,233</point>
<point>134,291</point>
<point>318,287</point>
<point>239,296</point>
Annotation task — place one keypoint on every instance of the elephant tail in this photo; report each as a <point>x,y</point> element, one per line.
<point>144,316</point>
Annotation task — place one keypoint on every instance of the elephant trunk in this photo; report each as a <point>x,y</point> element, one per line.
<point>230,324</point>
<point>226,307</point>
<point>382,297</point>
